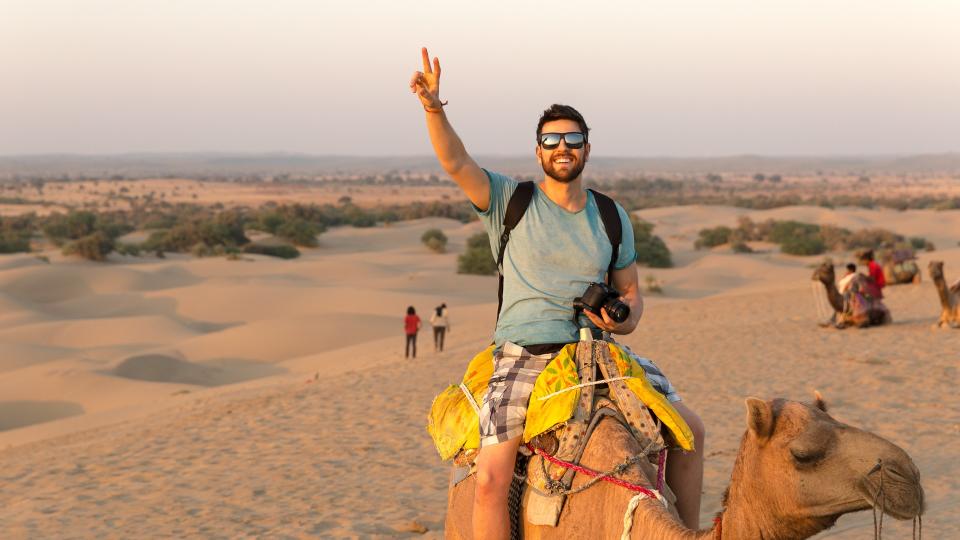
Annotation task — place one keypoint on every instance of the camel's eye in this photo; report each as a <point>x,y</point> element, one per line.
<point>806,457</point>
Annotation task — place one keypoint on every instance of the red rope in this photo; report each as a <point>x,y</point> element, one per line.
<point>594,474</point>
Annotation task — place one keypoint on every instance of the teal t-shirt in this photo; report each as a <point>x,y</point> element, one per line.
<point>552,256</point>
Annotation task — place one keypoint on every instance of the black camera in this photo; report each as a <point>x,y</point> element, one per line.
<point>601,295</point>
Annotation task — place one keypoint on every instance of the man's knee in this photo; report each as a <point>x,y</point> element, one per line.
<point>493,483</point>
<point>495,470</point>
<point>695,424</point>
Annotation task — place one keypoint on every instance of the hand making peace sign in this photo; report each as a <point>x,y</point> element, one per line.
<point>426,84</point>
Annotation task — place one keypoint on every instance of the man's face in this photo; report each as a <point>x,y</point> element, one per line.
<point>563,164</point>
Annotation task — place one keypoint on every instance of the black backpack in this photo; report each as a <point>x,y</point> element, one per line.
<point>517,206</point>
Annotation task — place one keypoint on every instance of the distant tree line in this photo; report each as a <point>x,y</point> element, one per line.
<point>797,238</point>
<point>206,230</point>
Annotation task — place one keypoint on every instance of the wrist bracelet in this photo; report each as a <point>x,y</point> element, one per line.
<point>440,109</point>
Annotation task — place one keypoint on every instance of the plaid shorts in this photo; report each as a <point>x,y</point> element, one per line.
<point>515,370</point>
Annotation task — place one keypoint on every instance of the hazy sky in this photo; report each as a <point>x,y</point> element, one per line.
<point>653,78</point>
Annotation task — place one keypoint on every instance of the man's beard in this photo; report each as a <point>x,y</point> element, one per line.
<point>564,177</point>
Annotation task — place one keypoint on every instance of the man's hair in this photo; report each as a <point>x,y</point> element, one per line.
<point>562,112</point>
<point>851,267</point>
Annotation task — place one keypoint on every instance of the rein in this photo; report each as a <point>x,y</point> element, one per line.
<point>878,499</point>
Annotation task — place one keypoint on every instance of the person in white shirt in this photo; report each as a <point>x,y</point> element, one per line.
<point>844,284</point>
<point>441,324</point>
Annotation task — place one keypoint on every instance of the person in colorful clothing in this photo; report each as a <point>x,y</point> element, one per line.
<point>875,273</point>
<point>556,250</point>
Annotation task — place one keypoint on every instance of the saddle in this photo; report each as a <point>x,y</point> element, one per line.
<point>609,385</point>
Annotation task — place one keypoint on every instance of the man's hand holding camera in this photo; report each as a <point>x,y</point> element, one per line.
<point>607,309</point>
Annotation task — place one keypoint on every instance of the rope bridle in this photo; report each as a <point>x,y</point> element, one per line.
<point>878,499</point>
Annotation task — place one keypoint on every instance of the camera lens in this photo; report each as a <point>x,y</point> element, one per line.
<point>617,310</point>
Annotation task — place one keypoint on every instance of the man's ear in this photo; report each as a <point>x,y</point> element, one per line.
<point>539,153</point>
<point>586,153</point>
<point>759,418</point>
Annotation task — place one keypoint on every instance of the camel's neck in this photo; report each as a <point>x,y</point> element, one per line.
<point>749,518</point>
<point>833,296</point>
<point>653,521</point>
<point>941,284</point>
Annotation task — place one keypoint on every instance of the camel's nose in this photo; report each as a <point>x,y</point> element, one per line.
<point>894,483</point>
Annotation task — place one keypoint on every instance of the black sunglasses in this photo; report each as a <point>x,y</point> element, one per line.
<point>574,139</point>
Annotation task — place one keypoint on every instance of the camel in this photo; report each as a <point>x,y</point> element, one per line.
<point>797,471</point>
<point>854,309</point>
<point>949,297</point>
<point>900,266</point>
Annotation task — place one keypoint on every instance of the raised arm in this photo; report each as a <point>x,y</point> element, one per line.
<point>447,145</point>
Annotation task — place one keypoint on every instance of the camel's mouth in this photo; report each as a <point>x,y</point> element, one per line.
<point>897,496</point>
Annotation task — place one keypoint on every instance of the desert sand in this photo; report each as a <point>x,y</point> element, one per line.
<point>187,397</point>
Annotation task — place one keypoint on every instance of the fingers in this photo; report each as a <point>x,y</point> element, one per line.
<point>415,80</point>
<point>596,320</point>
<point>426,60</point>
<point>606,318</point>
<point>436,66</point>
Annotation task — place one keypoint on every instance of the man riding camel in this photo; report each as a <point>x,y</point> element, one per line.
<point>555,252</point>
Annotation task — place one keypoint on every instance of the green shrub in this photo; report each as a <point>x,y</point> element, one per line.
<point>477,258</point>
<point>784,231</point>
<point>740,247</point>
<point>919,243</point>
<point>299,232</point>
<point>803,245</point>
<point>651,250</point>
<point>94,247</point>
<point>200,250</point>
<point>13,242</point>
<point>283,251</point>
<point>709,238</point>
<point>653,284</point>
<point>128,249</point>
<point>435,240</point>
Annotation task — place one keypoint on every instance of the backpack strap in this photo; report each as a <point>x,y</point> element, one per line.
<point>613,226</point>
<point>516,207</point>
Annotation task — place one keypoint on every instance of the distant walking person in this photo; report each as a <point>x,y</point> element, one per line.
<point>411,325</point>
<point>441,323</point>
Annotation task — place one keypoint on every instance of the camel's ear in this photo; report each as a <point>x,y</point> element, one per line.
<point>818,401</point>
<point>759,418</point>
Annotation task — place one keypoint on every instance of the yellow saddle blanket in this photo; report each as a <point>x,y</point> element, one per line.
<point>454,424</point>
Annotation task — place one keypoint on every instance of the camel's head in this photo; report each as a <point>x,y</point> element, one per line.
<point>811,469</point>
<point>936,270</point>
<point>824,273</point>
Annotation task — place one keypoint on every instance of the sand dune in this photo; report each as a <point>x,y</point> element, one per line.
<point>203,397</point>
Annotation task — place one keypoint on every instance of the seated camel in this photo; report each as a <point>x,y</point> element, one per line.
<point>858,306</point>
<point>797,471</point>
<point>949,297</point>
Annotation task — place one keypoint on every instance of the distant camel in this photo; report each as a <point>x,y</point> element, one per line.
<point>949,297</point>
<point>854,308</point>
<point>797,471</point>
<point>900,266</point>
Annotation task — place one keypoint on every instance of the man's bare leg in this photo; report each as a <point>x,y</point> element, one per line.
<point>491,521</point>
<point>685,470</point>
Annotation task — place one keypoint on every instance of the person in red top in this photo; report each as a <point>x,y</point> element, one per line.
<point>411,325</point>
<point>875,272</point>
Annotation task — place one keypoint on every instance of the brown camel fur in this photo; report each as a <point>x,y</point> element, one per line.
<point>797,471</point>
<point>854,310</point>
<point>949,297</point>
